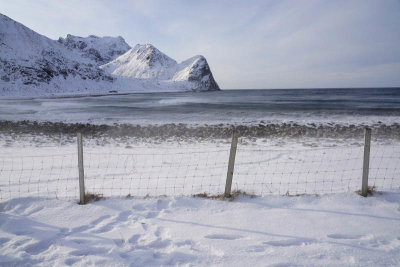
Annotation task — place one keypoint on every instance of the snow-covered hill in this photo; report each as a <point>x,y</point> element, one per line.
<point>196,70</point>
<point>99,49</point>
<point>147,62</point>
<point>33,65</point>
<point>142,61</point>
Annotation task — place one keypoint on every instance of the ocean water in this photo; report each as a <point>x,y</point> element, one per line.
<point>302,106</point>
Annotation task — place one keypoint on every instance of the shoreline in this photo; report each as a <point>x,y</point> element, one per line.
<point>218,131</point>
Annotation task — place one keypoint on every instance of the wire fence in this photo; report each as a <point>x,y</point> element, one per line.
<point>156,172</point>
<point>52,176</point>
<point>315,171</point>
<point>188,171</point>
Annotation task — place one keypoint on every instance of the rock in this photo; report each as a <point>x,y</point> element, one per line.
<point>99,49</point>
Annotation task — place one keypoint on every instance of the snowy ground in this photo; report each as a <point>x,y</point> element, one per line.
<point>330,230</point>
<point>41,223</point>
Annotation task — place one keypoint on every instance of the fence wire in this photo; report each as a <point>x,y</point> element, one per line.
<point>187,171</point>
<point>315,171</point>
<point>52,176</point>
<point>156,172</point>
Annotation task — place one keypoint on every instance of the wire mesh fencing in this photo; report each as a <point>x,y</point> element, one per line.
<point>51,175</point>
<point>384,168</point>
<point>155,172</point>
<point>315,171</point>
<point>185,171</point>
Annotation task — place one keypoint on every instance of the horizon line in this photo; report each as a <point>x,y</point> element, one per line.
<point>313,88</point>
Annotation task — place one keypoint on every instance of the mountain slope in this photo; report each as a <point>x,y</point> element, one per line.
<point>32,64</point>
<point>143,62</point>
<point>196,70</point>
<point>147,62</point>
<point>99,49</point>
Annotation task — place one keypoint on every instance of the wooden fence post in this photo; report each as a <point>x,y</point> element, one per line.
<point>81,171</point>
<point>231,164</point>
<point>367,147</point>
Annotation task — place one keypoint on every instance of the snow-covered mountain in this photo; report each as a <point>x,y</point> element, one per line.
<point>33,65</point>
<point>196,70</point>
<point>99,49</point>
<point>147,62</point>
<point>143,62</point>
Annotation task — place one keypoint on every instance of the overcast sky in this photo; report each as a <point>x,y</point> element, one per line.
<point>248,44</point>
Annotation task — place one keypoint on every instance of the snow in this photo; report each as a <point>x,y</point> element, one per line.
<point>146,62</point>
<point>99,49</point>
<point>191,68</point>
<point>142,61</point>
<point>330,230</point>
<point>34,65</point>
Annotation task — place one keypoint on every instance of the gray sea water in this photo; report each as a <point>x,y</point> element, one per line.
<point>303,106</point>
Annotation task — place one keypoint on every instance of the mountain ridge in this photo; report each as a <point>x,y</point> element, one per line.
<point>32,65</point>
<point>99,49</point>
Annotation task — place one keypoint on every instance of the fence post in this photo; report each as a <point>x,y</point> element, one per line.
<point>367,147</point>
<point>81,171</point>
<point>231,164</point>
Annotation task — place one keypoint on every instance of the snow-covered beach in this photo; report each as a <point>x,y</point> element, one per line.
<point>329,230</point>
<point>302,207</point>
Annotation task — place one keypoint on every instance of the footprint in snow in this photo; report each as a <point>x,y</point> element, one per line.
<point>4,240</point>
<point>90,251</point>
<point>134,239</point>
<point>138,207</point>
<point>70,261</point>
<point>144,226</point>
<point>162,204</point>
<point>22,232</point>
<point>255,249</point>
<point>39,247</point>
<point>343,236</point>
<point>184,243</point>
<point>223,236</point>
<point>159,243</point>
<point>92,224</point>
<point>152,214</point>
<point>289,242</point>
<point>99,220</point>
<point>124,215</point>
<point>33,211</point>
<point>80,241</point>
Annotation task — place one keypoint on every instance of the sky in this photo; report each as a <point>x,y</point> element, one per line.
<point>254,44</point>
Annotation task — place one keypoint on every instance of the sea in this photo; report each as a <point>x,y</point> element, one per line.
<point>246,107</point>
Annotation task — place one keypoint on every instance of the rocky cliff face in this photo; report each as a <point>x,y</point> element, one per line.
<point>99,49</point>
<point>197,71</point>
<point>34,65</point>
